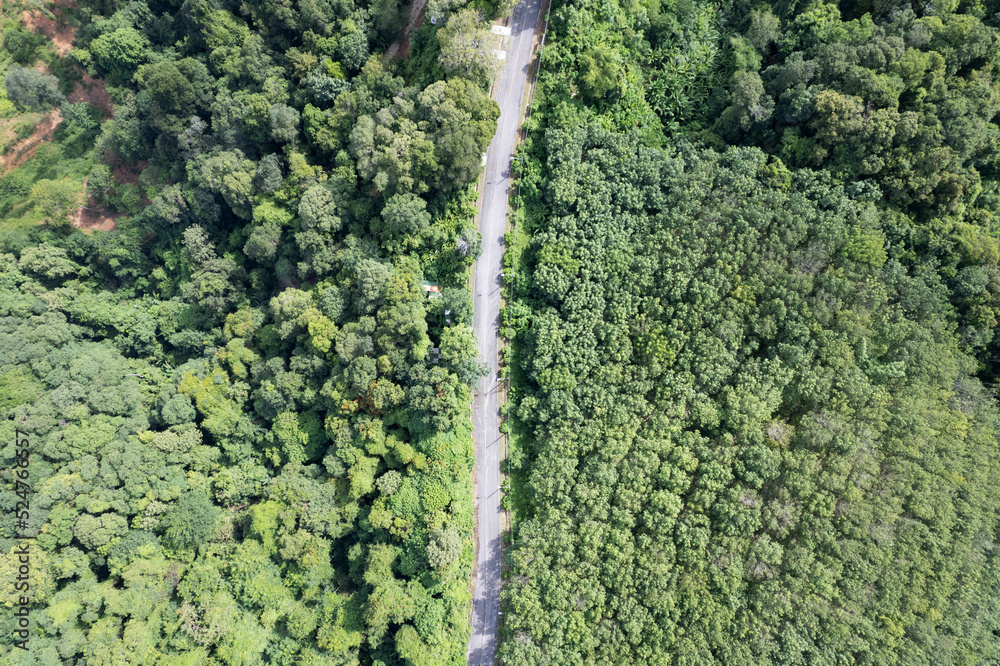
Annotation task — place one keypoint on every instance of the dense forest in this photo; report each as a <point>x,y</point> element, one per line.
<point>249,423</point>
<point>753,361</point>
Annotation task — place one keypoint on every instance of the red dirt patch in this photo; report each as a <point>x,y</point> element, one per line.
<point>24,149</point>
<point>92,91</point>
<point>59,32</point>
<point>123,172</point>
<point>92,218</point>
<point>401,47</point>
<point>89,217</point>
<point>62,34</point>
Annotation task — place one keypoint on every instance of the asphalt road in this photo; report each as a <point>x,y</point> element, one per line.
<point>486,298</point>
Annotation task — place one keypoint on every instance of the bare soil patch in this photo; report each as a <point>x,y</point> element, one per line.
<point>125,172</point>
<point>92,91</point>
<point>91,217</point>
<point>401,46</point>
<point>59,32</point>
<point>24,149</point>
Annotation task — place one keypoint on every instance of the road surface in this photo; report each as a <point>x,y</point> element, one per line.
<point>486,297</point>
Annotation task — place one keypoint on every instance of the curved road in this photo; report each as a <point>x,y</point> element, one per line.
<point>486,297</point>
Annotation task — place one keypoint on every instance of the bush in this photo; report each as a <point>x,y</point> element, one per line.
<point>78,129</point>
<point>7,108</point>
<point>129,198</point>
<point>24,128</point>
<point>22,44</point>
<point>17,183</point>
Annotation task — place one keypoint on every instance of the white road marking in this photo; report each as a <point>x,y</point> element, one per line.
<point>508,91</point>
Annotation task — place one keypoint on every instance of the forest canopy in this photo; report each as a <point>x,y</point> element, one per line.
<point>250,425</point>
<point>752,364</point>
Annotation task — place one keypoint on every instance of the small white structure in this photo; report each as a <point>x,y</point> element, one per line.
<point>501,55</point>
<point>433,291</point>
<point>500,30</point>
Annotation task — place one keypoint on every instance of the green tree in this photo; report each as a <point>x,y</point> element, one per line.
<point>230,174</point>
<point>465,47</point>
<point>190,522</point>
<point>58,200</point>
<point>404,216</point>
<point>599,72</point>
<point>120,52</point>
<point>177,91</point>
<point>31,90</point>
<point>444,548</point>
<point>284,123</point>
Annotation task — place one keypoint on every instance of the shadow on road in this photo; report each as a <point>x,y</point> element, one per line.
<point>485,613</point>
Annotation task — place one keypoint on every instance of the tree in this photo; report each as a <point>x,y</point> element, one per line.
<point>177,91</point>
<point>389,482</point>
<point>78,128</point>
<point>388,17</point>
<point>404,216</point>
<point>318,209</point>
<point>373,278</point>
<point>263,241</point>
<point>465,47</point>
<point>231,174</point>
<point>749,105</point>
<point>764,30</point>
<point>216,283</point>
<point>190,522</point>
<point>268,176</point>
<point>443,548</point>
<point>459,350</point>
<point>58,200</point>
<point>284,123</point>
<point>458,302</point>
<point>352,48</point>
<point>120,52</point>
<point>325,83</point>
<point>48,261</point>
<point>332,303</point>
<point>20,42</point>
<point>392,152</point>
<point>599,72</point>
<point>361,373</point>
<point>31,90</point>
<point>178,409</point>
<point>96,531</point>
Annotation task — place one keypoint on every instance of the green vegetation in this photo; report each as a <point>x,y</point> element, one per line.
<point>750,337</point>
<point>35,144</point>
<point>244,448</point>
